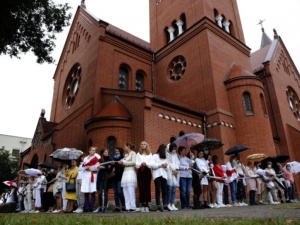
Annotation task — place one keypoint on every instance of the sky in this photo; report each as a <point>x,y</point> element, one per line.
<point>27,87</point>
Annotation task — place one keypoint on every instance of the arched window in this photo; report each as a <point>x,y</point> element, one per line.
<point>263,105</point>
<point>139,81</point>
<point>247,103</point>
<point>111,146</point>
<point>123,78</point>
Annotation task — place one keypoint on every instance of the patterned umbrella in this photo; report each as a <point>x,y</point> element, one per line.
<point>10,183</point>
<point>65,154</point>
<point>189,140</point>
<point>209,144</point>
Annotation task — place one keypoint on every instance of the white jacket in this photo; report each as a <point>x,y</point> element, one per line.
<point>158,171</point>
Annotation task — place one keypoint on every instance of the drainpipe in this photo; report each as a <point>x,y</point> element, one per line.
<point>153,73</point>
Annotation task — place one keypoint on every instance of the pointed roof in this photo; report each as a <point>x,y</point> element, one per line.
<point>114,110</point>
<point>265,40</point>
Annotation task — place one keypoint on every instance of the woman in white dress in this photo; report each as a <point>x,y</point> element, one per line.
<point>129,180</point>
<point>89,178</point>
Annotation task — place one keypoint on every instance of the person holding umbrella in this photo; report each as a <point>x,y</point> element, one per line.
<point>185,177</point>
<point>289,180</point>
<point>71,175</point>
<point>232,175</point>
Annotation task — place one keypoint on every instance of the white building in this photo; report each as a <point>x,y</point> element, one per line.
<point>14,144</point>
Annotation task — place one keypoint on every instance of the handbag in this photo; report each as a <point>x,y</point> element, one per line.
<point>70,187</point>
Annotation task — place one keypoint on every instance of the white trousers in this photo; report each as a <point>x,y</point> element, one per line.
<point>220,192</point>
<point>28,202</point>
<point>129,195</point>
<point>38,200</point>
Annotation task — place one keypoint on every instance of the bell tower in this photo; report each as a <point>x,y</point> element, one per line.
<point>171,18</point>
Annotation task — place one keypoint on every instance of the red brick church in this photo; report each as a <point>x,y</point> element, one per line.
<point>195,75</point>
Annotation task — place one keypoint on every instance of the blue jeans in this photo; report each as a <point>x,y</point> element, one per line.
<point>118,194</point>
<point>291,191</point>
<point>233,189</point>
<point>185,189</point>
<point>171,194</point>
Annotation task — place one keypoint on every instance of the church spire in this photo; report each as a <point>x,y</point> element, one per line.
<point>83,4</point>
<point>265,40</point>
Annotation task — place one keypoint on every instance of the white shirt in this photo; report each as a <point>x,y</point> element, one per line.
<point>157,170</point>
<point>141,158</point>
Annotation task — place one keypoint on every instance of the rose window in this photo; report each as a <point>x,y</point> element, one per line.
<point>177,68</point>
<point>293,102</point>
<point>72,85</point>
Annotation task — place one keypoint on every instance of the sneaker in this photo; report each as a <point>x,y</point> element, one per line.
<point>143,209</point>
<point>170,207</point>
<point>36,211</point>
<point>147,209</point>
<point>98,211</point>
<point>78,211</point>
<point>166,208</point>
<point>211,206</point>
<point>222,205</point>
<point>275,203</point>
<point>244,204</point>
<point>159,209</point>
<point>174,207</point>
<point>216,206</point>
<point>236,204</point>
<point>56,211</point>
<point>95,211</point>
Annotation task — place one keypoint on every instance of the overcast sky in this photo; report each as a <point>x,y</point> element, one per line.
<point>27,87</point>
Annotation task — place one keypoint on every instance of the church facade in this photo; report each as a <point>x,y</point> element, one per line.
<point>195,75</point>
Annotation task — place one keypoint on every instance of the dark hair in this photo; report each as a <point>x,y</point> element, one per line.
<point>161,151</point>
<point>102,150</point>
<point>180,149</point>
<point>214,159</point>
<point>172,139</point>
<point>171,147</point>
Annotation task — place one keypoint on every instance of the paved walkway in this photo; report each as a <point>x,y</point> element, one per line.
<point>287,210</point>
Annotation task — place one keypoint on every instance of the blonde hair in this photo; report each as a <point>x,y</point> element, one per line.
<point>147,150</point>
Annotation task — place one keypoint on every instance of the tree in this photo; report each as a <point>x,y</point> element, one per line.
<point>31,25</point>
<point>8,168</point>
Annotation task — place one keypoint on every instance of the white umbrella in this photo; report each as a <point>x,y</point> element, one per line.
<point>189,140</point>
<point>29,172</point>
<point>295,167</point>
<point>65,154</point>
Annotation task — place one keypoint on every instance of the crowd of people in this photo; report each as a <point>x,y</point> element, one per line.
<point>74,185</point>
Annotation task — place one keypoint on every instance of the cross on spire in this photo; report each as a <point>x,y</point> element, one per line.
<point>261,23</point>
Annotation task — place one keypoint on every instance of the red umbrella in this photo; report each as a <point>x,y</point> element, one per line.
<point>10,183</point>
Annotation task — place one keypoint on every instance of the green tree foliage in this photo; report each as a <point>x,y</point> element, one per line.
<point>8,168</point>
<point>31,25</point>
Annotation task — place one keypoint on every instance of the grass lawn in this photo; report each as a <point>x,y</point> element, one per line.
<point>75,219</point>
